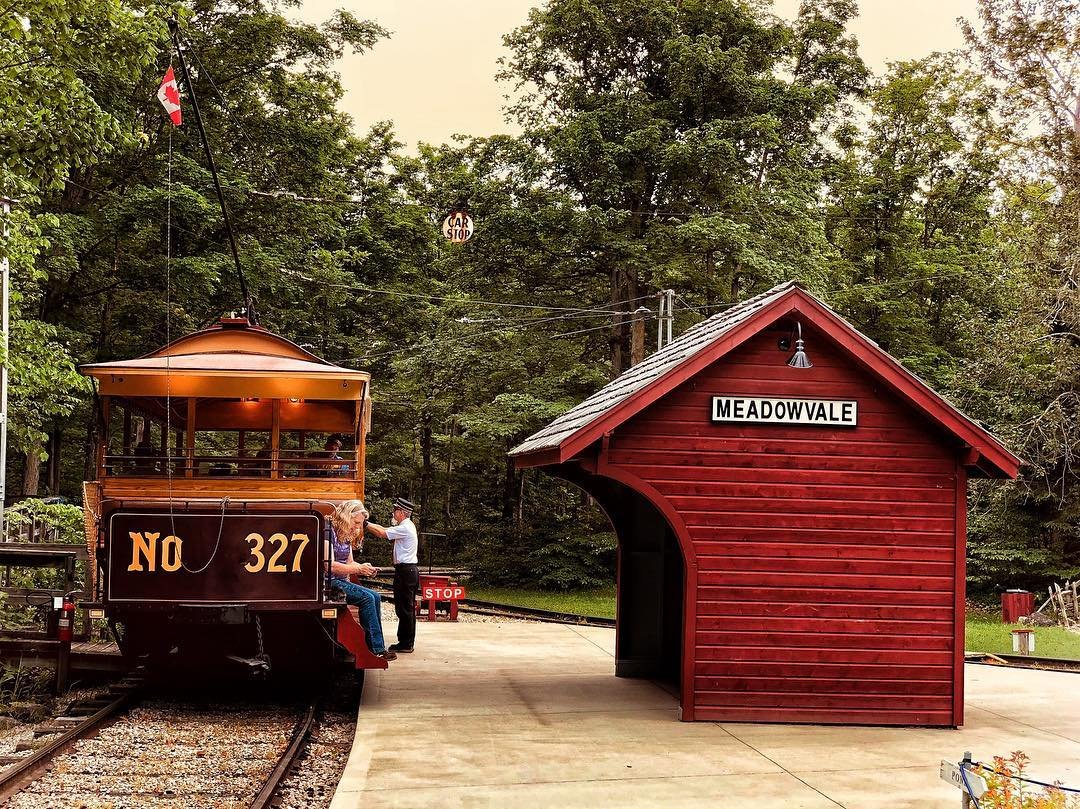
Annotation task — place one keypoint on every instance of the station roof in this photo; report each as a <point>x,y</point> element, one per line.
<point>713,338</point>
<point>229,358</point>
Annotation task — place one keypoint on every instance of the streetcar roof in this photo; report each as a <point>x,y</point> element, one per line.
<point>232,358</point>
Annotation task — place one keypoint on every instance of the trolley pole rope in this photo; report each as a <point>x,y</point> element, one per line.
<point>249,308</point>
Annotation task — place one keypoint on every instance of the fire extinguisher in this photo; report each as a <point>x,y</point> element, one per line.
<point>66,625</point>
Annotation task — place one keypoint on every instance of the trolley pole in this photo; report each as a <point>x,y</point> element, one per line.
<point>5,325</point>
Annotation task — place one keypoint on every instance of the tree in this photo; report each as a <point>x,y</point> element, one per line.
<point>56,117</point>
<point>1031,50</point>
<point>273,126</point>
<point>689,135</point>
<point>911,216</point>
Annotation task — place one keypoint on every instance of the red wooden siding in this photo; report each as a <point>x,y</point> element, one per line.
<point>829,561</point>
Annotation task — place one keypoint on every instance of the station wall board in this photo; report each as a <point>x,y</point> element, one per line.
<point>819,513</point>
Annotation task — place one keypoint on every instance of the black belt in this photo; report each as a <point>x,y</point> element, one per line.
<point>407,564</point>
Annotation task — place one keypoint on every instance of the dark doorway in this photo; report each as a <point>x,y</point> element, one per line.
<point>650,581</point>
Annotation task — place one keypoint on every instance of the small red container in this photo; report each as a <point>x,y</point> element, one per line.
<point>1015,604</point>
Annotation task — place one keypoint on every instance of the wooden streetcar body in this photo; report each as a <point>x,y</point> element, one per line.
<point>796,572</point>
<point>188,538</point>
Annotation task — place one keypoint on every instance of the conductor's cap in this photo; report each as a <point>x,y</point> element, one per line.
<point>405,505</point>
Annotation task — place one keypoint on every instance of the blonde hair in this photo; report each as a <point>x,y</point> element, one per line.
<point>342,519</point>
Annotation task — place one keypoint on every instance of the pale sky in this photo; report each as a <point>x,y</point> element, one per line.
<point>435,77</point>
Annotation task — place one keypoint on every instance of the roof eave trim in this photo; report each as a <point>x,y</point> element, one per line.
<point>334,373</point>
<point>877,362</point>
<point>916,392</point>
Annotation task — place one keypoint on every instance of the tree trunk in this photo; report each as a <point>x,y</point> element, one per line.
<point>447,510</point>
<point>637,338</point>
<point>32,472</point>
<point>617,323</point>
<point>425,464</point>
<point>511,490</point>
<point>52,476</point>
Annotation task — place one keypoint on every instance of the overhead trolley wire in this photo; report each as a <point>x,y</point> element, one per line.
<point>603,309</point>
<point>466,338</point>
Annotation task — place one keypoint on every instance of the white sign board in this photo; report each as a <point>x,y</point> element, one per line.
<point>764,410</point>
<point>458,227</point>
<point>950,773</point>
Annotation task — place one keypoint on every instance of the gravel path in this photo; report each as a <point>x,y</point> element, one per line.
<point>168,755</point>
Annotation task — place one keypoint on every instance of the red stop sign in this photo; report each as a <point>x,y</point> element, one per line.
<point>453,592</point>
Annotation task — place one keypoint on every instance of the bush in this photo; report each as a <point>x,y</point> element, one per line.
<point>527,557</point>
<point>65,524</point>
<point>1005,792</point>
<point>64,519</point>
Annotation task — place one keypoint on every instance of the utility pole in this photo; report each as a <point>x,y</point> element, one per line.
<point>5,324</point>
<point>670,313</point>
<point>664,318</point>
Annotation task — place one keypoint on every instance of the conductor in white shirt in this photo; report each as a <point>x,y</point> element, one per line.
<point>402,533</point>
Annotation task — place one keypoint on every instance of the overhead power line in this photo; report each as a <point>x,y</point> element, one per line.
<point>604,309</point>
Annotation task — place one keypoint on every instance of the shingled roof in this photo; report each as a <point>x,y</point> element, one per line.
<point>650,369</point>
<point>625,395</point>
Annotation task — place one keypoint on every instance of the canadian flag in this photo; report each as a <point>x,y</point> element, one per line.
<point>169,96</point>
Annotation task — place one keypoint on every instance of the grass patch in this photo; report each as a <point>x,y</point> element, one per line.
<point>984,635</point>
<point>598,602</point>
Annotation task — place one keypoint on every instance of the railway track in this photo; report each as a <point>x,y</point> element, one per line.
<point>476,607</point>
<point>1023,662</point>
<point>142,753</point>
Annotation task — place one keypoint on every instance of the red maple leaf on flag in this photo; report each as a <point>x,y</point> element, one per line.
<point>169,96</point>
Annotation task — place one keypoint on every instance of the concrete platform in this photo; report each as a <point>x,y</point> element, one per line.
<point>530,715</point>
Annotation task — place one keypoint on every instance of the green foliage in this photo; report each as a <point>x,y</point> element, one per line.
<point>598,602</point>
<point>989,635</point>
<point>688,134</point>
<point>58,66</point>
<point>540,557</point>
<point>702,145</point>
<point>23,684</point>
<point>63,521</point>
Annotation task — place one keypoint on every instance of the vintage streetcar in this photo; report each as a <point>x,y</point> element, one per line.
<point>207,522</point>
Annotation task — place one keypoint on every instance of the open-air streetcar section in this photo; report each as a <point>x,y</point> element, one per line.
<point>264,347</point>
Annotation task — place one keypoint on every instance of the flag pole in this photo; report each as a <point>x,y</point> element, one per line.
<point>249,306</point>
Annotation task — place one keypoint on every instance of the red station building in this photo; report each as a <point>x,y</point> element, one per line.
<point>791,539</point>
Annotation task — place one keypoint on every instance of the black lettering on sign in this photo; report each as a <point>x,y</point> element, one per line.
<point>773,410</point>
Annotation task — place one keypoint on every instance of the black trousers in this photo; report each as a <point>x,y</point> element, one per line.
<point>406,584</point>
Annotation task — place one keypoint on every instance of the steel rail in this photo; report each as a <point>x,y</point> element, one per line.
<point>288,758</point>
<point>17,776</point>
<point>477,607</point>
<point>548,616</point>
<point>1023,662</point>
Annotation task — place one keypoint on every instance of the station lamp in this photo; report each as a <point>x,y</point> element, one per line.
<point>799,358</point>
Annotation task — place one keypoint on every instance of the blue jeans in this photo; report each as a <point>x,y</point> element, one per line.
<point>370,606</point>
